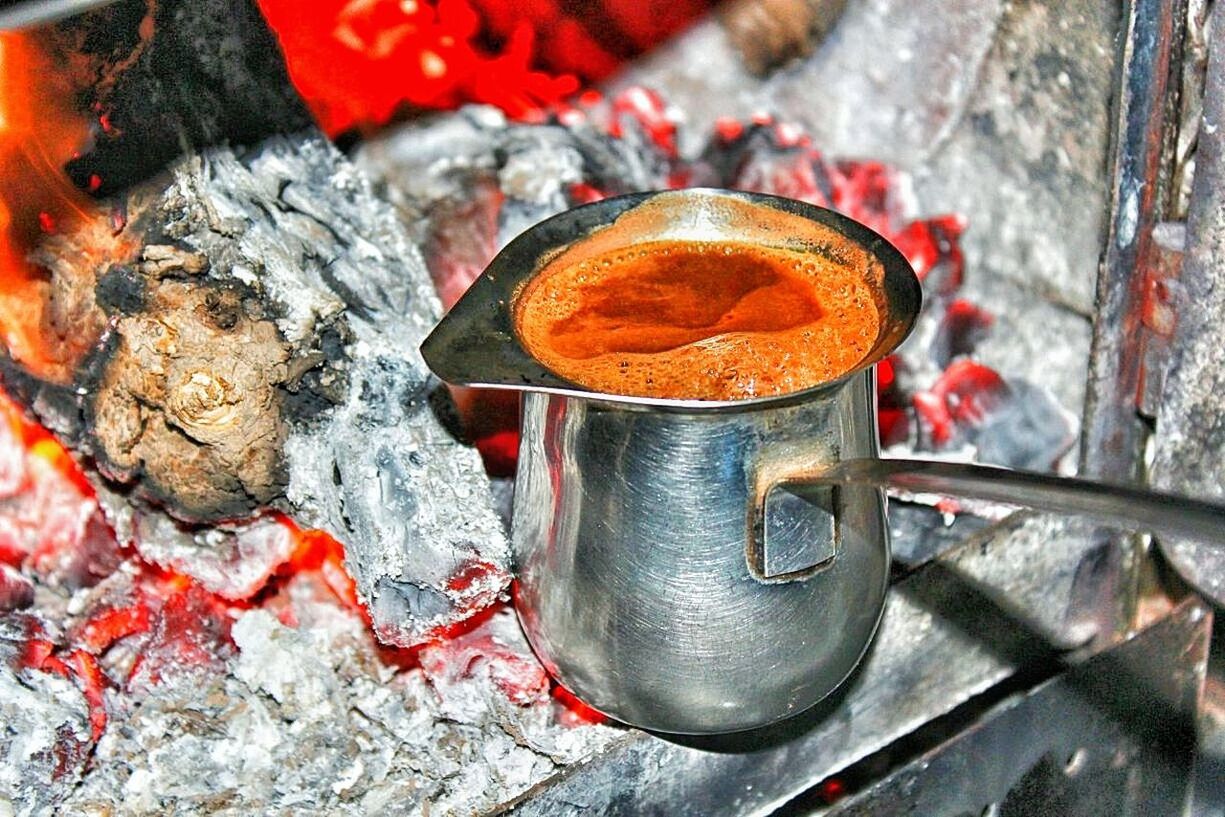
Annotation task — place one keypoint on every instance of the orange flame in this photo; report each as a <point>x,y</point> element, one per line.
<point>39,132</point>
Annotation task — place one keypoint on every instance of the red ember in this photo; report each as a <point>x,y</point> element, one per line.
<point>358,62</point>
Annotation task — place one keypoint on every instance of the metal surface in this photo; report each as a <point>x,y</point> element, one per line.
<point>40,12</point>
<point>476,343</point>
<point>1190,434</point>
<point>1114,432</point>
<point>1114,736</point>
<point>799,531</point>
<point>1117,505</point>
<point>1006,601</point>
<point>631,535</point>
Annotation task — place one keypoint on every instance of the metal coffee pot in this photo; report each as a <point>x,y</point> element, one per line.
<point>668,574</point>
<point>703,566</point>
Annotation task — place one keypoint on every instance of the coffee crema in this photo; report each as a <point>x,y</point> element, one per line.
<point>699,320</point>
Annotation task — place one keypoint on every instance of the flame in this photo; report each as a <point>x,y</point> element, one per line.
<point>40,130</point>
<point>358,62</point>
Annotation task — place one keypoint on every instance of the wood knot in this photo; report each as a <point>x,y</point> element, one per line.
<point>204,401</point>
<point>190,402</point>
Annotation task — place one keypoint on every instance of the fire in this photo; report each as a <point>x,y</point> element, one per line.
<point>358,62</point>
<point>40,130</point>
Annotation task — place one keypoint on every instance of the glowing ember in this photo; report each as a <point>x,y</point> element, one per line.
<point>358,62</point>
<point>590,39</point>
<point>133,627</point>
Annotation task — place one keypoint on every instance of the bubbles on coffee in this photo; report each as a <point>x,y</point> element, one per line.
<point>699,320</point>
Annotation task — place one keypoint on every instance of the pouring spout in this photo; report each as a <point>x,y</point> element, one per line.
<point>1119,505</point>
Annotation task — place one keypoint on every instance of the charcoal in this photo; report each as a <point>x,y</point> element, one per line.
<point>297,304</point>
<point>154,692</point>
<point>172,74</point>
<point>308,719</point>
<point>44,741</point>
<point>233,560</point>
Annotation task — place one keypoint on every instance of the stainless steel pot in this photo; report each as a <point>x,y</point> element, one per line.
<point>673,569</point>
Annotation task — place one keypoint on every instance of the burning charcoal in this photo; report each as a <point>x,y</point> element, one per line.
<point>1011,423</point>
<point>960,331</point>
<point>488,649</point>
<point>315,713</point>
<point>232,560</point>
<point>300,386</point>
<point>766,157</point>
<point>249,339</point>
<point>50,525</point>
<point>16,590</point>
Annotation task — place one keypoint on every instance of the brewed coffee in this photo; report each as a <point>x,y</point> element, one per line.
<point>699,320</point>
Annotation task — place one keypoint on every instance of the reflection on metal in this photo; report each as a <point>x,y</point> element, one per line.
<point>799,530</point>
<point>1113,736</point>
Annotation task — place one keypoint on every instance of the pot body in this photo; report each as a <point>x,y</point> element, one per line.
<point>667,576</point>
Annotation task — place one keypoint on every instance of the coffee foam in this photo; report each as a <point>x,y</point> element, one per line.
<point>700,320</point>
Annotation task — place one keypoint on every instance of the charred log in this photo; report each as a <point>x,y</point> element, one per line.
<point>260,352</point>
<point>238,332</point>
<point>170,74</point>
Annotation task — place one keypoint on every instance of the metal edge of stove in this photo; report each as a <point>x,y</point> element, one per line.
<point>1141,163</point>
<point>1115,735</point>
<point>1033,591</point>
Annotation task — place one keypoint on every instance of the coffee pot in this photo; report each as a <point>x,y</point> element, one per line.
<point>708,566</point>
<point>665,573</point>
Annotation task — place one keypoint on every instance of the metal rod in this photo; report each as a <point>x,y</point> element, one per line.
<point>40,12</point>
<point>1117,505</point>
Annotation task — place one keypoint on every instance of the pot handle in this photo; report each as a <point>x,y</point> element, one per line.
<point>1140,508</point>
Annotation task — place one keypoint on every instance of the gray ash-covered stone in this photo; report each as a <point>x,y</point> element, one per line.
<point>427,168</point>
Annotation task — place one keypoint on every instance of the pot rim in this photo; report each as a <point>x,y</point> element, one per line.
<point>476,345</point>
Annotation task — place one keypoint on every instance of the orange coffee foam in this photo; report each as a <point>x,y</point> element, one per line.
<point>699,320</point>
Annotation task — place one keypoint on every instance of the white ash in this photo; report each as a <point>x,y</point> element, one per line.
<point>378,470</point>
<point>309,720</point>
<point>44,735</point>
<point>425,164</point>
<point>231,560</point>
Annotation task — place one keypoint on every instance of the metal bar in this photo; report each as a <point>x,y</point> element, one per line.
<point>41,12</point>
<point>1190,433</point>
<point>1116,505</point>
<point>1114,433</point>
<point>1113,736</point>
